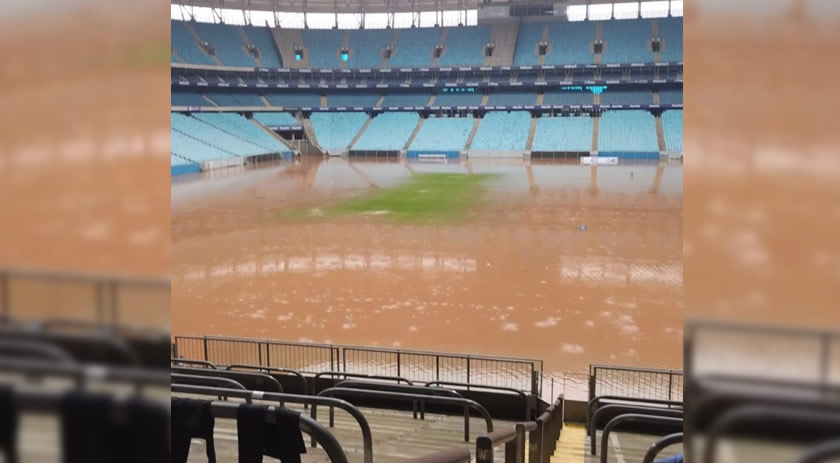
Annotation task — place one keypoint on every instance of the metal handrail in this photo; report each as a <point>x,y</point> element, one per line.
<point>85,372</point>
<point>494,388</point>
<point>542,448</point>
<point>660,445</point>
<point>269,370</point>
<point>484,445</point>
<point>466,403</point>
<point>45,351</point>
<point>401,388</point>
<point>213,381</point>
<point>116,345</point>
<point>367,436</point>
<point>623,409</point>
<point>209,365</point>
<point>630,417</point>
<point>595,401</point>
<point>236,374</point>
<point>357,375</point>
<point>821,452</point>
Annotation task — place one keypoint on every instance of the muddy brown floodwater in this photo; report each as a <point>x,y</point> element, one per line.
<point>515,276</point>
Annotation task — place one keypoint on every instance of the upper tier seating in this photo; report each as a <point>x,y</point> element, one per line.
<point>627,131</point>
<point>584,97</point>
<point>335,131</point>
<point>414,47</point>
<point>526,44</point>
<point>352,99</point>
<point>227,40</point>
<point>611,96</point>
<point>670,96</point>
<point>521,97</point>
<point>465,46</point>
<point>406,99</point>
<point>366,47</point>
<point>572,134</point>
<point>323,47</point>
<point>188,99</point>
<point>262,38</point>
<point>275,119</point>
<point>502,131</point>
<point>236,99</point>
<point>457,99</point>
<point>671,33</point>
<point>387,132</point>
<point>626,41</point>
<point>672,123</point>
<point>295,100</point>
<point>448,134</point>
<point>185,45</point>
<point>570,43</point>
<point>213,136</point>
<point>241,127</point>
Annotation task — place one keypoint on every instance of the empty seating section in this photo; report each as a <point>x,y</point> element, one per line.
<point>177,161</point>
<point>294,100</point>
<point>626,97</point>
<point>626,41</point>
<point>188,99</point>
<point>366,47</point>
<point>571,134</point>
<point>444,134</point>
<point>526,44</point>
<point>627,132</point>
<point>406,99</point>
<point>185,45</point>
<point>502,131</point>
<point>261,38</point>
<point>671,33</point>
<point>672,123</point>
<point>414,47</point>
<point>323,46</point>
<point>584,97</point>
<point>465,46</point>
<point>236,99</point>
<point>350,99</point>
<point>387,132</point>
<point>457,99</point>
<point>670,96</point>
<point>213,136</point>
<point>512,98</point>
<point>228,42</point>
<point>241,127</point>
<point>570,43</point>
<point>335,131</point>
<point>275,119</point>
<point>190,148</point>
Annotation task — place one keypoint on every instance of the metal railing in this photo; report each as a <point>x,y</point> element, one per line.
<point>630,417</point>
<point>525,402</point>
<point>595,402</point>
<point>623,410</point>
<point>661,445</point>
<point>641,383</point>
<point>264,382</point>
<point>211,381</point>
<point>517,373</point>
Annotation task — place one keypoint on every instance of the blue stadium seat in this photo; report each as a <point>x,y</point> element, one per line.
<point>614,96</point>
<point>570,43</point>
<point>526,44</point>
<point>207,134</point>
<point>262,38</point>
<point>177,161</point>
<point>236,99</point>
<point>188,99</point>
<point>323,46</point>
<point>623,132</point>
<point>465,46</point>
<point>457,99</point>
<point>352,99</point>
<point>415,47</point>
<point>672,123</point>
<point>275,119</point>
<point>335,131</point>
<point>185,45</point>
<point>442,135</point>
<point>626,41</point>
<point>366,47</point>
<point>571,134</point>
<point>502,131</point>
<point>230,47</point>
<point>241,127</point>
<point>560,97</point>
<point>406,99</point>
<point>294,100</point>
<point>512,97</point>
<point>387,132</point>
<point>670,96</point>
<point>671,33</point>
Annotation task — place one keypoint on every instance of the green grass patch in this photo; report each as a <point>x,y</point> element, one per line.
<point>424,198</point>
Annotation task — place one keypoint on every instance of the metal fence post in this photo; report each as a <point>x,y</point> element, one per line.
<point>398,364</point>
<point>206,356</point>
<point>267,355</point>
<point>468,370</point>
<point>670,384</point>
<point>115,302</point>
<point>344,353</point>
<point>483,450</point>
<point>259,353</point>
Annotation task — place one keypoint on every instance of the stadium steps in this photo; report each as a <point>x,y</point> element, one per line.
<point>324,103</point>
<point>309,132</point>
<point>571,445</point>
<point>414,133</point>
<point>393,45</point>
<point>209,100</point>
<point>346,45</point>
<point>660,134</point>
<point>531,132</point>
<point>431,100</point>
<point>656,99</point>
<point>359,135</point>
<point>654,27</point>
<point>200,40</point>
<point>596,121</point>
<point>596,99</point>
<point>599,29</point>
<point>273,134</point>
<point>442,42</point>
<point>541,58</point>
<point>177,56</point>
<point>474,129</point>
<point>258,57</point>
<point>503,35</point>
<point>380,101</point>
<point>286,40</point>
<point>265,100</point>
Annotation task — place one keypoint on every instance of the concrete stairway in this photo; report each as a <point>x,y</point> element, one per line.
<point>309,132</point>
<point>596,121</point>
<point>393,46</point>
<point>265,100</point>
<point>346,45</point>
<point>599,28</point>
<point>200,40</point>
<point>324,102</point>
<point>247,42</point>
<point>503,35</point>
<point>177,56</point>
<point>379,101</point>
<point>273,134</point>
<point>531,134</point>
<point>472,133</point>
<point>286,40</point>
<point>442,42</point>
<point>359,135</point>
<point>571,446</point>
<point>209,100</point>
<point>660,134</point>
<point>541,58</point>
<point>414,133</point>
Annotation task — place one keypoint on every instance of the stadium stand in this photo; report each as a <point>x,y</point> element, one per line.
<point>672,123</point>
<point>185,45</point>
<point>526,44</point>
<point>387,132</point>
<point>366,47</point>
<point>241,127</point>
<point>323,47</point>
<point>352,99</point>
<point>570,43</point>
<point>626,41</point>
<point>512,98</point>
<point>336,130</point>
<point>236,99</point>
<point>275,119</point>
<point>584,97</point>
<point>177,160</point>
<point>628,134</point>
<point>444,135</point>
<point>261,38</point>
<point>570,134</point>
<point>671,33</point>
<point>227,40</point>
<point>415,47</point>
<point>670,96</point>
<point>295,99</point>
<point>457,99</point>
<point>194,150</point>
<point>465,46</point>
<point>615,96</point>
<point>406,99</point>
<point>188,99</point>
<point>212,136</point>
<point>502,131</point>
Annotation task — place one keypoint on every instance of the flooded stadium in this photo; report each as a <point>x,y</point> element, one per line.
<point>563,262</point>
